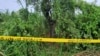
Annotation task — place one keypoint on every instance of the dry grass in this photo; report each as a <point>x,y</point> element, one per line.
<point>1,54</point>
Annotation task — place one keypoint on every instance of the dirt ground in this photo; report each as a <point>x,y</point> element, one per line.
<point>88,53</point>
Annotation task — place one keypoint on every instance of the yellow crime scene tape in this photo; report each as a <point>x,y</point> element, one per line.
<point>40,39</point>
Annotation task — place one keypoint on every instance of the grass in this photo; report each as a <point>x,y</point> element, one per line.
<point>10,48</point>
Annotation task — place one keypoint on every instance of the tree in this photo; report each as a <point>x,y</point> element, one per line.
<point>46,8</point>
<point>24,13</point>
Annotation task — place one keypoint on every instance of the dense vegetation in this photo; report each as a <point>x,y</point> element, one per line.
<point>51,18</point>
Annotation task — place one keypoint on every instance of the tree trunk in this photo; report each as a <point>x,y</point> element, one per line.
<point>52,28</point>
<point>46,9</point>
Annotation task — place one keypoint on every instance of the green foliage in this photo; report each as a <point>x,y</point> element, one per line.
<point>69,24</point>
